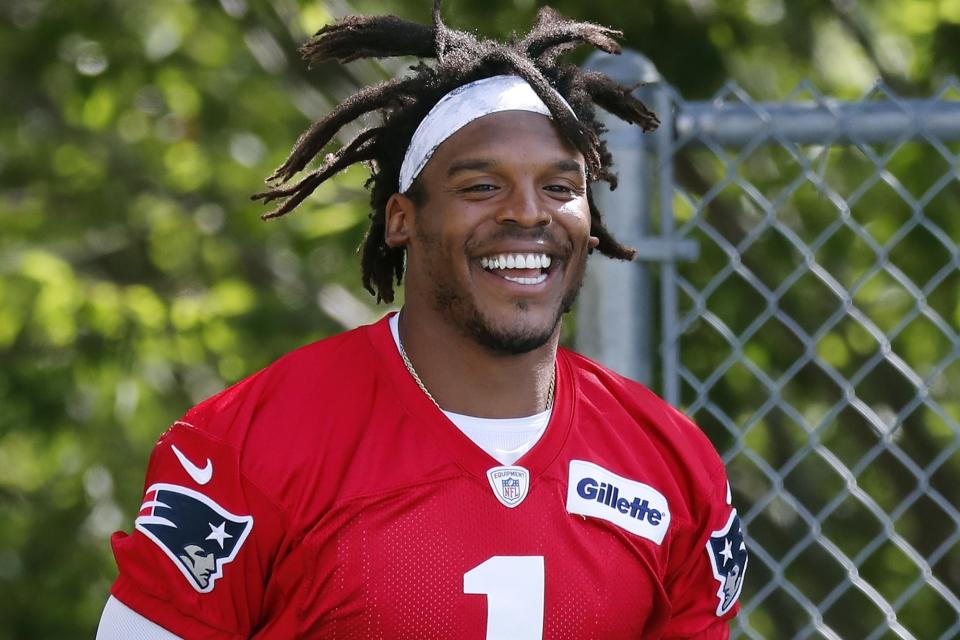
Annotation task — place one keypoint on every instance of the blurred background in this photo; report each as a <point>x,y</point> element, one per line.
<point>136,279</point>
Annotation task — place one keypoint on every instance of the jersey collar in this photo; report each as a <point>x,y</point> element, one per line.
<point>432,423</point>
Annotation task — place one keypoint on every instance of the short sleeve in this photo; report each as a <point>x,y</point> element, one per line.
<point>705,586</point>
<point>198,559</point>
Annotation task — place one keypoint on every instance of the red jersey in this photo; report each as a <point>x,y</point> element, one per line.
<point>327,497</point>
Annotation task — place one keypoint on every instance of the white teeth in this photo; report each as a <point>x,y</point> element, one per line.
<point>516,261</point>
<point>540,278</point>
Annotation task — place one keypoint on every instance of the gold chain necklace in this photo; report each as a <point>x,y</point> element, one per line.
<point>413,372</point>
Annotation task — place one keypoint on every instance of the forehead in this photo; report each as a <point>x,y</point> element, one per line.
<point>510,135</point>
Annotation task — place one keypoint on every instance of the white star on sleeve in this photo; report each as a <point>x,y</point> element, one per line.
<point>220,534</point>
<point>727,552</point>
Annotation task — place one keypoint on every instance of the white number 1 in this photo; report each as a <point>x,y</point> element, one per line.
<point>514,589</point>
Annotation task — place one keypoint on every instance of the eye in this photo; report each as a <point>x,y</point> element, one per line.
<point>479,188</point>
<point>564,189</point>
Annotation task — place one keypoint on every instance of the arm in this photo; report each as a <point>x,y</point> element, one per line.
<point>199,557</point>
<point>705,585</point>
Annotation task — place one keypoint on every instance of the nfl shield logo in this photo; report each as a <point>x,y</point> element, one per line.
<point>511,488</point>
<point>509,484</point>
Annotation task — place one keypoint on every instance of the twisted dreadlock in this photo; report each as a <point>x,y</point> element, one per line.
<point>460,58</point>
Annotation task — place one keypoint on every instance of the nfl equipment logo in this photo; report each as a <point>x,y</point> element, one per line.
<point>509,484</point>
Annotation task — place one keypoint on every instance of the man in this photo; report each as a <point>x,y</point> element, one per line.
<point>447,472</point>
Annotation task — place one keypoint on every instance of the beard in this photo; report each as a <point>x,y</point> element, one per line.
<point>514,339</point>
<point>458,306</point>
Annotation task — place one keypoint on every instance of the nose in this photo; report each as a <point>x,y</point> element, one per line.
<point>525,208</point>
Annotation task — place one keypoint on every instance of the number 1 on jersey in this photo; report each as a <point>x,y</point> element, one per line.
<point>514,587</point>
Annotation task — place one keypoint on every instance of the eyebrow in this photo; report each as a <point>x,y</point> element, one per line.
<point>470,164</point>
<point>482,164</point>
<point>567,165</point>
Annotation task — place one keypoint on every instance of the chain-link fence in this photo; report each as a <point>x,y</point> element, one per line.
<point>806,316</point>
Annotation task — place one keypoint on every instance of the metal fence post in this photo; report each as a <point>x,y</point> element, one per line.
<point>616,314</point>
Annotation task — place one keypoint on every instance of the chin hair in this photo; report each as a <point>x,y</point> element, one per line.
<point>515,343</point>
<point>508,341</point>
<point>504,342</point>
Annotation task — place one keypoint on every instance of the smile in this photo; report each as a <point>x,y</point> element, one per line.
<point>527,268</point>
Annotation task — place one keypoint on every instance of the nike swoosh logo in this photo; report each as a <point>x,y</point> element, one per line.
<point>200,476</point>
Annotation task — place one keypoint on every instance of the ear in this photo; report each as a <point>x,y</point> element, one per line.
<point>400,212</point>
<point>593,242</point>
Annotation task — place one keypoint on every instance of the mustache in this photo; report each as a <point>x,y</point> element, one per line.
<point>552,244</point>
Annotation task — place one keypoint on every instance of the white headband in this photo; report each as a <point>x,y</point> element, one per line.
<point>459,108</point>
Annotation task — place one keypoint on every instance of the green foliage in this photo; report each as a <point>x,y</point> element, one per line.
<point>136,277</point>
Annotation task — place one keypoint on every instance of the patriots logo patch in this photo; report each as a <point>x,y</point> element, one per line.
<point>728,559</point>
<point>195,532</point>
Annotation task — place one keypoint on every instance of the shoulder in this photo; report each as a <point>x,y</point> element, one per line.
<point>609,389</point>
<point>298,376</point>
<point>633,414</point>
<point>286,388</point>
<point>287,418</point>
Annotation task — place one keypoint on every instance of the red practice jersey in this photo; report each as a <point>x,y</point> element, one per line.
<point>327,497</point>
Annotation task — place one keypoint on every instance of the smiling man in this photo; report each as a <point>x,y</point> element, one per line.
<point>496,250</point>
<point>450,471</point>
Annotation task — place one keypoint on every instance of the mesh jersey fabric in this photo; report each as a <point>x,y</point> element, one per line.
<point>371,516</point>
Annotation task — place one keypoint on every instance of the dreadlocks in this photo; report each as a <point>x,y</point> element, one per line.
<point>460,58</point>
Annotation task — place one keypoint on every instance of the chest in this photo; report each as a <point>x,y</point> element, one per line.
<point>445,559</point>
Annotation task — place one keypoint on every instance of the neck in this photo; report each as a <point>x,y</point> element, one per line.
<point>468,378</point>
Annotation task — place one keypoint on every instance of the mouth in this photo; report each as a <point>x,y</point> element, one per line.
<point>526,269</point>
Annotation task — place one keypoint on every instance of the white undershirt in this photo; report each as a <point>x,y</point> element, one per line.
<point>504,439</point>
<point>120,622</point>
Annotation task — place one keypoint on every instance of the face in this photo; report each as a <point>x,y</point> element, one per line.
<point>498,247</point>
<point>731,584</point>
<point>201,563</point>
